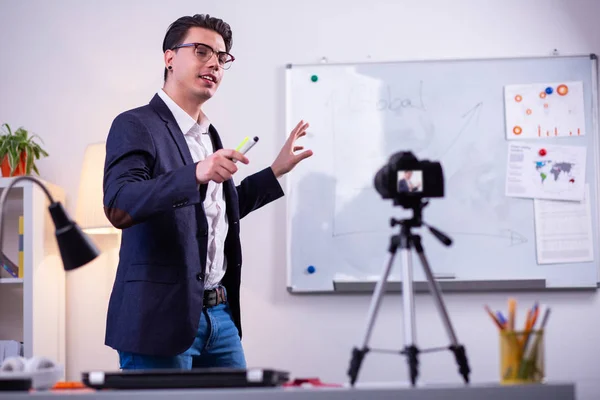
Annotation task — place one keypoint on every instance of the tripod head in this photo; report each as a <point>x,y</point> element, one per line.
<point>416,221</point>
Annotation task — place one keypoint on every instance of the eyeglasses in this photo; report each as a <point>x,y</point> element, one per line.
<point>205,53</point>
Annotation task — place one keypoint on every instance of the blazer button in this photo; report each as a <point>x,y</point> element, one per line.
<point>199,276</point>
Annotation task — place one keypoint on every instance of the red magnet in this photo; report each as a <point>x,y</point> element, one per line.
<point>572,180</point>
<point>542,152</point>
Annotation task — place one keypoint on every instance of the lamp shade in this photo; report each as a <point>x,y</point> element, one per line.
<point>76,249</point>
<point>90,207</point>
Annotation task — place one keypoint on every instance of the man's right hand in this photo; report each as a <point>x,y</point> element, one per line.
<point>219,166</point>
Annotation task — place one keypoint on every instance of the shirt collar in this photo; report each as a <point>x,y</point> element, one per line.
<point>183,119</point>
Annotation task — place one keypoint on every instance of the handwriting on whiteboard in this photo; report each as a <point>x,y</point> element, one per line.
<point>367,98</point>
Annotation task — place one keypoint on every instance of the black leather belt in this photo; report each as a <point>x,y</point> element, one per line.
<point>213,297</point>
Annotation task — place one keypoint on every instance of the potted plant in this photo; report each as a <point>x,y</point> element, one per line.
<point>18,152</point>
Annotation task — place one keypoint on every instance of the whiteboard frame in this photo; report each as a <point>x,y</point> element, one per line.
<point>460,285</point>
<point>591,56</point>
<point>596,141</point>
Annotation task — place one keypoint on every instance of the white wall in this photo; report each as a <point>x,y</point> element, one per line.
<point>68,67</point>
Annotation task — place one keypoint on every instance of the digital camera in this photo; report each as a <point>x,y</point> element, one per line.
<point>407,181</point>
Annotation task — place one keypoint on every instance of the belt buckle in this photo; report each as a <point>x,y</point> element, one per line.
<point>220,295</point>
<point>214,297</point>
<point>210,298</point>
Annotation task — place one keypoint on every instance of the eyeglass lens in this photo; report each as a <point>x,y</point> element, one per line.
<point>204,53</point>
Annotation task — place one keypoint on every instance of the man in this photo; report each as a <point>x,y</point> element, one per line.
<point>168,185</point>
<point>405,185</point>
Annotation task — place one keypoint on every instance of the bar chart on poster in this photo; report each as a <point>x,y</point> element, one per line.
<point>517,139</point>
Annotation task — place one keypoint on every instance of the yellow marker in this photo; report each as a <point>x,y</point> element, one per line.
<point>246,145</point>
<point>242,144</point>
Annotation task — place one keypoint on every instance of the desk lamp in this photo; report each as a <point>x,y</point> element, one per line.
<point>76,250</point>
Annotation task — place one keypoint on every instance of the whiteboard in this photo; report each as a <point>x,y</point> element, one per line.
<point>450,111</point>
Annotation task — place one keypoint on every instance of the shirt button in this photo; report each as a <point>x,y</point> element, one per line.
<point>199,277</point>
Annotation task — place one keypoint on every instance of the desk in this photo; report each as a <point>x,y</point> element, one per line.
<point>554,391</point>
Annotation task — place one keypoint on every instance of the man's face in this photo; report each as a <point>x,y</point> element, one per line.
<point>199,78</point>
<point>408,174</point>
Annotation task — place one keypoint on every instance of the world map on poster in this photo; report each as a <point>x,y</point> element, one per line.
<point>557,170</point>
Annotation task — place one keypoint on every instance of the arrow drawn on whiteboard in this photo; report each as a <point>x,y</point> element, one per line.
<point>511,237</point>
<point>474,112</point>
<point>360,232</point>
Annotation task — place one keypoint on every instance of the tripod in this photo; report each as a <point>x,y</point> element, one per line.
<point>406,240</point>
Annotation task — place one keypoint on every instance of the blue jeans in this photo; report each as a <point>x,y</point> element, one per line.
<point>217,344</point>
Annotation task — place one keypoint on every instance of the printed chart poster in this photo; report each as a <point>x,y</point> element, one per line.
<point>544,110</point>
<point>563,231</point>
<point>543,171</point>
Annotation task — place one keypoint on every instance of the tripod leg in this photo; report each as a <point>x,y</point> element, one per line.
<point>410,348</point>
<point>359,354</point>
<point>412,354</point>
<point>408,298</point>
<point>457,349</point>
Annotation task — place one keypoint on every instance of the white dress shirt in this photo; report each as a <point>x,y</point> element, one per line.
<point>198,140</point>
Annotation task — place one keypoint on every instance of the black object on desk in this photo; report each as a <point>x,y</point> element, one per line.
<point>9,383</point>
<point>185,379</point>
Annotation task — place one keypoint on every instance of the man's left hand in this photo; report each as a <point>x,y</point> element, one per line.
<point>288,158</point>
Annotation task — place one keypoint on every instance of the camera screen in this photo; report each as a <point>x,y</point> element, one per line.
<point>410,181</point>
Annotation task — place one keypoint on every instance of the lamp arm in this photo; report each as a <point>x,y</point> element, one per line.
<point>5,195</point>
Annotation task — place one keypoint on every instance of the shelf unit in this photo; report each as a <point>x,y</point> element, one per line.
<point>32,308</point>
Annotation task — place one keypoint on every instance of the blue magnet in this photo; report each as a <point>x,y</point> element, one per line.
<point>549,90</point>
<point>314,78</point>
<point>310,269</point>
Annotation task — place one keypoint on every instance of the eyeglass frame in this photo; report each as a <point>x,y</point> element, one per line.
<point>195,45</point>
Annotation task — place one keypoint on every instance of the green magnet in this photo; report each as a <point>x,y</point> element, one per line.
<point>314,78</point>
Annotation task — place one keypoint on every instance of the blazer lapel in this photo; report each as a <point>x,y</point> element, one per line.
<point>214,138</point>
<point>228,186</point>
<point>165,114</point>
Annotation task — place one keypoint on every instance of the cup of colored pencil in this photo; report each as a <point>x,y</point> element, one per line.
<point>521,350</point>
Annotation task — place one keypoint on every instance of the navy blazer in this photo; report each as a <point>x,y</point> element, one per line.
<point>150,192</point>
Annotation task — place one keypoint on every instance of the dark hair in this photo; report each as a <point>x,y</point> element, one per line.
<point>179,29</point>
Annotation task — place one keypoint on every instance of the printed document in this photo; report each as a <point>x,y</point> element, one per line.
<point>563,231</point>
<point>544,171</point>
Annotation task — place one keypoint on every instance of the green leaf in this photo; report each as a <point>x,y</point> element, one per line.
<point>29,161</point>
<point>3,149</point>
<point>7,128</point>
<point>21,134</point>
<point>13,159</point>
<point>35,135</point>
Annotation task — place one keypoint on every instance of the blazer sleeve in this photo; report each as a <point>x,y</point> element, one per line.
<point>131,194</point>
<point>258,190</point>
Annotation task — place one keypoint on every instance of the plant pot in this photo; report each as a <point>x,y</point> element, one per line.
<point>20,170</point>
